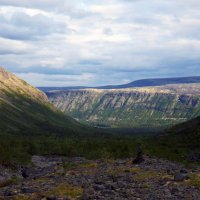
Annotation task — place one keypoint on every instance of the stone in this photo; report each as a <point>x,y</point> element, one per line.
<point>139,158</point>
<point>9,193</point>
<point>179,177</point>
<point>99,187</point>
<point>26,190</point>
<point>183,171</point>
<point>174,191</point>
<point>24,173</point>
<point>52,197</point>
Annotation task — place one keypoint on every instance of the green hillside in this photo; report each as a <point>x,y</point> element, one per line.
<point>26,110</point>
<point>180,143</point>
<point>26,116</point>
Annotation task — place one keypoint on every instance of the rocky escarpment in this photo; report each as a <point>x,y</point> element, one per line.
<point>133,107</point>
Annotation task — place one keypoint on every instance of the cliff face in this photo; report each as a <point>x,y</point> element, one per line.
<point>138,107</point>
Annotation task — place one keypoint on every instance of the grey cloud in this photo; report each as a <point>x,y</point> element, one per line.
<point>43,70</point>
<point>114,40</point>
<point>24,27</point>
<point>44,4</point>
<point>65,7</point>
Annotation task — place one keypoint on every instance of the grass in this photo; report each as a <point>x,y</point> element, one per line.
<point>66,190</point>
<point>150,174</point>
<point>145,175</point>
<point>195,180</point>
<point>26,197</point>
<point>18,149</point>
<point>8,182</point>
<point>88,165</point>
<point>134,170</point>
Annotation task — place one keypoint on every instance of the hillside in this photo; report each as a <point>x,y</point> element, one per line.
<point>186,134</point>
<point>26,110</point>
<point>131,107</point>
<point>180,143</point>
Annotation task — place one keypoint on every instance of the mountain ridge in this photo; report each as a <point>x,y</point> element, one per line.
<point>137,83</point>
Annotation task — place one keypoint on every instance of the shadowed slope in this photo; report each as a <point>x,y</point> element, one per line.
<point>26,110</point>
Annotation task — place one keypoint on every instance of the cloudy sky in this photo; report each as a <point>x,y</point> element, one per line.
<point>98,42</point>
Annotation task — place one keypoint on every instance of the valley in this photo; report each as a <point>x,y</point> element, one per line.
<point>46,154</point>
<point>99,100</point>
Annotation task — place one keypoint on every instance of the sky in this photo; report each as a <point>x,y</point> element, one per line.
<point>99,42</point>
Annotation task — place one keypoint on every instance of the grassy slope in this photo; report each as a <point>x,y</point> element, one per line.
<point>31,117</point>
<point>178,142</point>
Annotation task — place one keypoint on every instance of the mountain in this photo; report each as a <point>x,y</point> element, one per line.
<point>132,107</point>
<point>26,110</point>
<point>157,82</point>
<point>137,83</point>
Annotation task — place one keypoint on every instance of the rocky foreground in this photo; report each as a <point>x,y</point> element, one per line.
<point>59,178</point>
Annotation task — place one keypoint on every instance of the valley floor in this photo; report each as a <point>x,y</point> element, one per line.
<point>54,178</point>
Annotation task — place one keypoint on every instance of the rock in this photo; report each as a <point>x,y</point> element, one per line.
<point>26,190</point>
<point>174,191</point>
<point>183,171</point>
<point>110,187</point>
<point>139,158</point>
<point>109,180</point>
<point>9,193</point>
<point>179,177</point>
<point>52,197</point>
<point>24,173</point>
<point>99,187</point>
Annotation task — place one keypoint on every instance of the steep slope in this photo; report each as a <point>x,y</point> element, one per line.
<point>26,110</point>
<point>137,83</point>
<point>132,107</point>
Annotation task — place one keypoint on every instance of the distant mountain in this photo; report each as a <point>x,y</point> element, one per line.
<point>47,89</point>
<point>144,107</point>
<point>137,83</point>
<point>26,110</point>
<point>156,82</point>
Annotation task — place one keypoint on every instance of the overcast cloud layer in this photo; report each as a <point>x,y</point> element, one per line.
<point>99,42</point>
